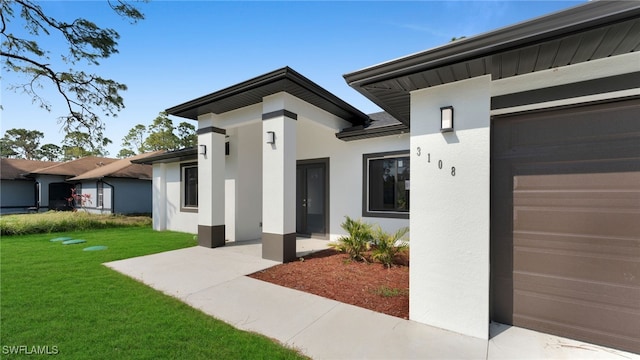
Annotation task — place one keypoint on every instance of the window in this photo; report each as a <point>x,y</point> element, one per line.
<point>386,185</point>
<point>100,194</point>
<point>189,187</point>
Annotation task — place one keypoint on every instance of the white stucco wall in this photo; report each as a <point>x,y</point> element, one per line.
<point>211,173</point>
<point>279,177</point>
<point>345,168</point>
<point>315,132</point>
<point>166,201</point>
<point>248,183</point>
<point>159,195</point>
<point>450,208</point>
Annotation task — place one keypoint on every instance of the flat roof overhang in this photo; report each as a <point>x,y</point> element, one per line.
<point>185,154</point>
<point>594,30</point>
<point>252,92</point>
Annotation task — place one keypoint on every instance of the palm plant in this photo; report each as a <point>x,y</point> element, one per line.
<point>358,241</point>
<point>388,245</point>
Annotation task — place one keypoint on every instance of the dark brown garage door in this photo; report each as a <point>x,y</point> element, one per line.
<point>565,222</point>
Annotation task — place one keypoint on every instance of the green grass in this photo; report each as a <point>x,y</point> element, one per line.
<point>386,291</point>
<point>57,221</point>
<point>64,298</point>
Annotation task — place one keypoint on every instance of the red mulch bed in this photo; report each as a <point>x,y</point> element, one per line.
<point>333,275</point>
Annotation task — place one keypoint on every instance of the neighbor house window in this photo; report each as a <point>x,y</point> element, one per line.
<point>189,187</point>
<point>100,194</point>
<point>386,185</point>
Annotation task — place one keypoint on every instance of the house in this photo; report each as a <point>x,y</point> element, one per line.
<point>524,146</point>
<point>113,185</point>
<point>119,187</point>
<point>52,188</point>
<point>18,193</point>
<point>227,188</point>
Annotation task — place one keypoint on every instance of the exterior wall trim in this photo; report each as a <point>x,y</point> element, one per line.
<point>561,92</point>
<point>211,236</point>
<point>279,247</point>
<point>277,113</point>
<point>210,129</point>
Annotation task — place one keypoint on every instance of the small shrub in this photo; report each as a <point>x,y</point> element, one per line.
<point>388,245</point>
<point>358,241</point>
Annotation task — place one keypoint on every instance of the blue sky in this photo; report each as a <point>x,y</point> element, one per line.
<point>186,49</point>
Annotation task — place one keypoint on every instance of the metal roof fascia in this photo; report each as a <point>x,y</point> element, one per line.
<point>267,78</point>
<point>285,73</point>
<point>574,19</point>
<point>376,132</point>
<point>178,155</point>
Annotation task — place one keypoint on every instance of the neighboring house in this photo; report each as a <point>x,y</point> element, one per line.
<point>53,187</point>
<point>524,145</point>
<point>113,185</point>
<point>118,187</point>
<point>18,194</point>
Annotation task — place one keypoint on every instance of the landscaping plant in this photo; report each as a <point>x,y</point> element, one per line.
<point>358,241</point>
<point>388,245</point>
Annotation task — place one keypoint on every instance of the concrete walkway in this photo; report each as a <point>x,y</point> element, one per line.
<point>214,281</point>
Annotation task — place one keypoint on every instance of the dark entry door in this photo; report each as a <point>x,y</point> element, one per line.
<point>311,198</point>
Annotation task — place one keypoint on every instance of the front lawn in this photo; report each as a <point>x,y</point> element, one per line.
<point>60,299</point>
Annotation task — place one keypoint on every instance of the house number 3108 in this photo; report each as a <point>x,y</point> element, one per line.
<point>440,164</point>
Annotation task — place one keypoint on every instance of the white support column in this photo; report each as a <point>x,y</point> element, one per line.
<point>160,192</point>
<point>211,183</point>
<point>449,274</point>
<point>279,186</point>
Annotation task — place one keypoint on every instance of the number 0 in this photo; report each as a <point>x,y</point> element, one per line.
<point>440,164</point>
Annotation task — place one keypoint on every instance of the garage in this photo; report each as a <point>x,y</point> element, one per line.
<point>565,222</point>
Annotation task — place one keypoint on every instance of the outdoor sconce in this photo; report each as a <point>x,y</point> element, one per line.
<point>270,137</point>
<point>446,119</point>
<point>203,150</point>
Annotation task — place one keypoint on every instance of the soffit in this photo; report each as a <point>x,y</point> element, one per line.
<point>524,48</point>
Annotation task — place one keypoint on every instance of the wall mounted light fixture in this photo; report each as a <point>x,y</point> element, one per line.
<point>203,149</point>
<point>446,119</point>
<point>270,137</point>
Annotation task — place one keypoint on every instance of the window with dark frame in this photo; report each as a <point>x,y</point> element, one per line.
<point>190,186</point>
<point>386,185</point>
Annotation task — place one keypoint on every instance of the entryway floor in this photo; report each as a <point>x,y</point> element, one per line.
<point>214,281</point>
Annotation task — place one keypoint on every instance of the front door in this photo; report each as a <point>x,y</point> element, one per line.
<point>312,197</point>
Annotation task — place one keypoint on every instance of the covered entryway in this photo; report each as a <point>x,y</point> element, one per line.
<point>565,222</point>
<point>59,193</point>
<point>312,197</point>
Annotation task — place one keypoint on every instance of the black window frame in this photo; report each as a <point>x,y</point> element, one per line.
<point>183,188</point>
<point>366,211</point>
